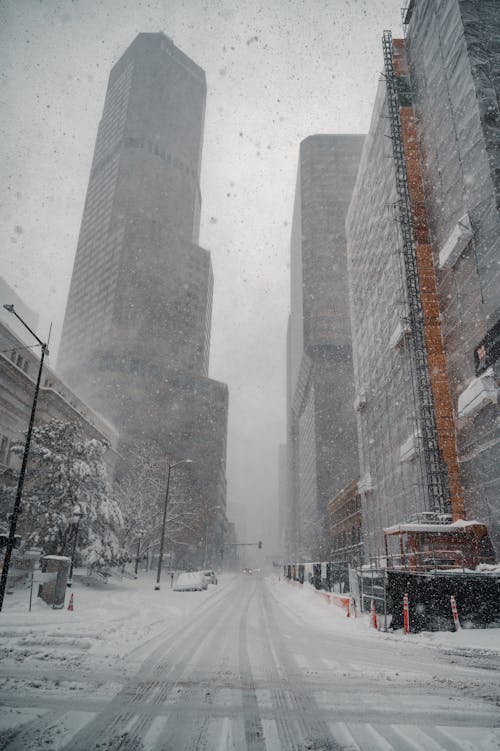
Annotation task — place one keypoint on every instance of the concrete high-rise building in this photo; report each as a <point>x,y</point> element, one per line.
<point>423,248</point>
<point>322,444</point>
<point>391,483</point>
<point>140,282</point>
<point>283,479</point>
<point>136,335</point>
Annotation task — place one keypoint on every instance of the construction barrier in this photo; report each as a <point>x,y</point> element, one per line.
<point>454,610</point>
<point>373,616</point>
<point>341,601</point>
<point>324,595</point>
<point>477,596</point>
<point>345,602</point>
<point>294,583</point>
<point>406,615</point>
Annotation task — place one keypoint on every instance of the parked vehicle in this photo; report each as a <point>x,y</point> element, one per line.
<point>210,576</point>
<point>192,581</point>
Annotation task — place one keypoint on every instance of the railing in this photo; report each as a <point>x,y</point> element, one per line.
<point>426,560</point>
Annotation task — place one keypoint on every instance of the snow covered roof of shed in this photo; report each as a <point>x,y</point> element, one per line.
<point>454,527</point>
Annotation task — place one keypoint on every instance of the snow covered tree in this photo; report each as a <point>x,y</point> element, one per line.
<point>140,492</point>
<point>66,473</point>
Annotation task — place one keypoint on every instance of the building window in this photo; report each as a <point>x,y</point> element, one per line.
<point>4,449</point>
<point>488,350</point>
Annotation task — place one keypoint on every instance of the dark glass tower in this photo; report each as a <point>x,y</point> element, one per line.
<point>136,333</point>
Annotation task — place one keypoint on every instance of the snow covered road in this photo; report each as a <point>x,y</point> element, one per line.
<point>255,664</point>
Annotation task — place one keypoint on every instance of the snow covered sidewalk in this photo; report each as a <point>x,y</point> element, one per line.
<point>109,621</point>
<point>309,608</point>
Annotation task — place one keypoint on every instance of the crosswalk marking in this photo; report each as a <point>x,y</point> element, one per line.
<point>343,736</point>
<point>225,740</point>
<point>370,738</point>
<point>154,733</point>
<point>271,736</point>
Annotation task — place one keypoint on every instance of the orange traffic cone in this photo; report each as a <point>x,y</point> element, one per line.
<point>373,616</point>
<point>70,606</point>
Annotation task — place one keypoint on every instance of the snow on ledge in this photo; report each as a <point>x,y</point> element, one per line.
<point>408,449</point>
<point>400,334</point>
<point>366,483</point>
<point>457,241</point>
<point>480,392</point>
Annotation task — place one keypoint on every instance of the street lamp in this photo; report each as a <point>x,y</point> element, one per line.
<point>162,541</point>
<point>77,516</point>
<point>17,503</point>
<point>139,538</point>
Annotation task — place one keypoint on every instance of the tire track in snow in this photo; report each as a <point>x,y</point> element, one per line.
<point>254,732</point>
<point>288,694</point>
<point>178,733</point>
<point>124,728</point>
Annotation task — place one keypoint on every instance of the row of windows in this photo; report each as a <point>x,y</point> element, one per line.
<point>347,538</point>
<point>141,143</point>
<point>100,261</point>
<point>92,264</point>
<point>5,446</point>
<point>351,507</point>
<point>99,199</point>
<point>115,109</point>
<point>20,361</point>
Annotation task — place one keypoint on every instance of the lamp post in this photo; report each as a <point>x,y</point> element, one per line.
<point>162,540</point>
<point>77,516</point>
<point>139,538</point>
<point>22,472</point>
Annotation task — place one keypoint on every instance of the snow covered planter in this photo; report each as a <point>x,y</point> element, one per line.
<point>66,472</point>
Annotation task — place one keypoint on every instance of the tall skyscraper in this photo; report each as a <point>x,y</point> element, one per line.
<point>136,335</point>
<point>322,441</point>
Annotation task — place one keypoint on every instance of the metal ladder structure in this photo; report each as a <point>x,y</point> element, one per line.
<point>435,469</point>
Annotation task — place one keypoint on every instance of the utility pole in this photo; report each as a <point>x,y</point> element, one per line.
<point>17,503</point>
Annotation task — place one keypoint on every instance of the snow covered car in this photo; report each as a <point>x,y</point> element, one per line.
<point>192,581</point>
<point>210,576</point>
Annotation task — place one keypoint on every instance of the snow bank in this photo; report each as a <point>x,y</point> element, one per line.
<point>304,605</point>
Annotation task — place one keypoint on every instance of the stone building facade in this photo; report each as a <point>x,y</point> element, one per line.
<point>19,367</point>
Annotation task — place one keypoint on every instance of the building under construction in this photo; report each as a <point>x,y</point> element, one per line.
<point>423,253</point>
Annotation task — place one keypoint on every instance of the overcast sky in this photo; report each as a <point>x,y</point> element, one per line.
<point>277,72</point>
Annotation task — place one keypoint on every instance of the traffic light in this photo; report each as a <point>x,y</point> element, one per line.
<point>260,544</point>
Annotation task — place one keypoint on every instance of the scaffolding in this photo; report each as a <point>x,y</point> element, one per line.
<point>435,470</point>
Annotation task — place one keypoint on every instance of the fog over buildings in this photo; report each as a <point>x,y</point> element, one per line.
<point>322,439</point>
<point>276,74</point>
<point>136,335</point>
